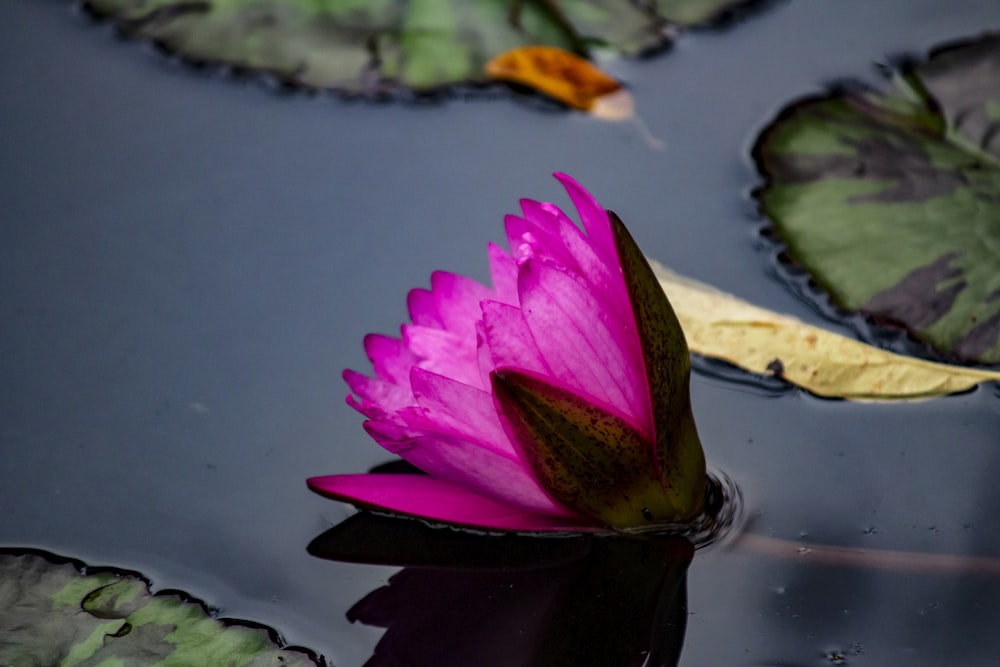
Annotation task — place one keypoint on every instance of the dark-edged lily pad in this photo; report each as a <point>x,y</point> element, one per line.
<point>891,200</point>
<point>370,46</point>
<point>53,613</point>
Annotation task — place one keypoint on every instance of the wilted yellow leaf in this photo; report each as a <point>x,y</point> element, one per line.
<point>566,77</point>
<point>827,364</point>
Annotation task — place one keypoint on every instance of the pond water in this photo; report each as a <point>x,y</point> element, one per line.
<point>188,260</point>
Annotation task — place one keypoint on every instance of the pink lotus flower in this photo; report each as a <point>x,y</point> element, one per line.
<point>557,400</point>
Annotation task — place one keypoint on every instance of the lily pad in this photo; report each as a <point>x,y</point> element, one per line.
<point>371,46</point>
<point>891,200</point>
<point>54,612</point>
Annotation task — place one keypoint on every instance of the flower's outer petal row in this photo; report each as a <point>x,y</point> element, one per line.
<point>442,336</point>
<point>593,217</point>
<point>598,258</point>
<point>503,477</point>
<point>547,233</point>
<point>484,357</point>
<point>450,303</point>
<point>586,351</point>
<point>503,273</point>
<point>445,352</point>
<point>422,307</point>
<point>604,279</point>
<point>390,358</point>
<point>563,244</point>
<point>452,406</point>
<point>569,247</point>
<point>509,340</point>
<point>438,500</point>
<point>537,236</point>
<point>376,398</point>
<point>457,299</point>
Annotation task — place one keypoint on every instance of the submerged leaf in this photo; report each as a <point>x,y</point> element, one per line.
<point>721,326</point>
<point>564,76</point>
<point>369,47</point>
<point>53,614</point>
<point>892,201</point>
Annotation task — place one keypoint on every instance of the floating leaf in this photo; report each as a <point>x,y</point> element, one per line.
<point>358,46</point>
<point>892,201</point>
<point>53,614</point>
<point>721,326</point>
<point>695,12</point>
<point>564,76</point>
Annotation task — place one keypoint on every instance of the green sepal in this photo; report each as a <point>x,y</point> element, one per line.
<point>590,460</point>
<point>679,456</point>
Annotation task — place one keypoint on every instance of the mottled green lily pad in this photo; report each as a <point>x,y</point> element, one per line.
<point>891,200</point>
<point>375,45</point>
<point>52,613</point>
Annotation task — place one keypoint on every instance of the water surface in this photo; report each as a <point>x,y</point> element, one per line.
<point>188,261</point>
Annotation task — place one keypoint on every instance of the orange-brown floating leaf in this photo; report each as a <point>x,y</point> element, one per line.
<point>564,76</point>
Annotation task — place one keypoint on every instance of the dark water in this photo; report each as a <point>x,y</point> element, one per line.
<point>188,262</point>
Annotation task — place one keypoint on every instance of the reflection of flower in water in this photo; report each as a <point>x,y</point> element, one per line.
<point>511,600</point>
<point>558,399</point>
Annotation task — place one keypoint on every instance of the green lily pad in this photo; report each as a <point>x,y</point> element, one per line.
<point>52,612</point>
<point>891,200</point>
<point>693,13</point>
<point>366,46</point>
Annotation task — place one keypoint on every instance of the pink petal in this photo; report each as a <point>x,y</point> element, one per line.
<point>503,273</point>
<point>586,347</point>
<point>486,472</point>
<point>458,300</point>
<point>593,216</point>
<point>564,243</point>
<point>528,239</point>
<point>452,303</point>
<point>422,307</point>
<point>390,358</point>
<point>483,355</point>
<point>445,352</point>
<point>604,278</point>
<point>378,398</point>
<point>509,340</point>
<point>437,500</point>
<point>459,408</point>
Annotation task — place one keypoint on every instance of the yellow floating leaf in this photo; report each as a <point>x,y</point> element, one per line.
<point>827,364</point>
<point>566,77</point>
